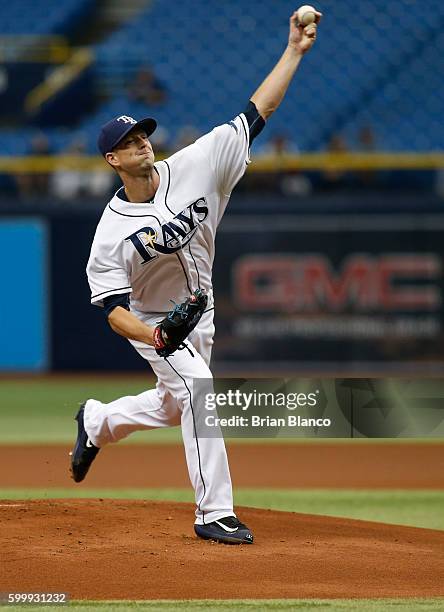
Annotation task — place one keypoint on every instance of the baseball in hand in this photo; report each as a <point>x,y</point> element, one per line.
<point>306,14</point>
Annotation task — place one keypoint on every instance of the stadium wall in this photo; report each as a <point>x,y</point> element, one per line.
<point>357,286</point>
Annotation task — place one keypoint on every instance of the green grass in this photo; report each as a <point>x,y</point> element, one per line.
<point>317,605</point>
<point>414,508</point>
<point>41,410</point>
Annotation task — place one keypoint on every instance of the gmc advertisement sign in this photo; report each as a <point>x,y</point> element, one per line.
<point>342,291</point>
<point>309,282</point>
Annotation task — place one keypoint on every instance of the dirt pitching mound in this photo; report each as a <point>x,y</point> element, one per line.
<point>109,549</point>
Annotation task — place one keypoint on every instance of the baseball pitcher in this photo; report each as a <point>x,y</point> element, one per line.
<point>155,244</point>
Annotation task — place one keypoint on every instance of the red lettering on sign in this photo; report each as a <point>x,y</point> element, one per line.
<point>355,283</point>
<point>267,283</point>
<point>292,283</point>
<point>407,268</point>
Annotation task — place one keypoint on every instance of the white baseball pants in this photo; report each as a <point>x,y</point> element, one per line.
<point>170,404</point>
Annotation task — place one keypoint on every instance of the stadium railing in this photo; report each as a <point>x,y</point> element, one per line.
<point>262,163</point>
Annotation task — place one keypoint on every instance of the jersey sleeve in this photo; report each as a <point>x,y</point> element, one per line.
<point>255,122</point>
<point>227,147</point>
<point>105,277</point>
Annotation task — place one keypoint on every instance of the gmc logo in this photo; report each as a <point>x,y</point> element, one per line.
<point>292,283</point>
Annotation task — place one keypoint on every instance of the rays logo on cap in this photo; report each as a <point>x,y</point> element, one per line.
<point>126,119</point>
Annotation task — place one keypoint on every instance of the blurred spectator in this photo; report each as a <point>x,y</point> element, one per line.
<point>295,184</point>
<point>67,184</point>
<point>280,144</point>
<point>147,88</point>
<point>185,136</point>
<point>336,178</point>
<point>366,144</point>
<point>288,182</point>
<point>337,144</point>
<point>35,183</point>
<point>366,139</point>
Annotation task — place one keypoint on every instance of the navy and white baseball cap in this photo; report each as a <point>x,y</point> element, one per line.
<point>116,129</point>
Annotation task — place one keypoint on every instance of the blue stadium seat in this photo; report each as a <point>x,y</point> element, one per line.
<point>213,55</point>
<point>407,112</point>
<point>375,64</point>
<point>42,17</point>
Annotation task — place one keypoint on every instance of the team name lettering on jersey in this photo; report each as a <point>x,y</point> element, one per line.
<point>172,236</point>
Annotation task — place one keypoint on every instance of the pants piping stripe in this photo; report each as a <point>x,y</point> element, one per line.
<point>197,440</point>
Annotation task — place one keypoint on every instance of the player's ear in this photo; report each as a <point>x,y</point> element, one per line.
<point>112,159</point>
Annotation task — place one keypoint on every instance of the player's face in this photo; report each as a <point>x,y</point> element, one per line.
<point>134,154</point>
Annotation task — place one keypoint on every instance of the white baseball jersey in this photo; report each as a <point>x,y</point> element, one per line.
<point>164,249</point>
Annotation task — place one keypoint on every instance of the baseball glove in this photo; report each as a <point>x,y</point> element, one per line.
<point>170,333</point>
